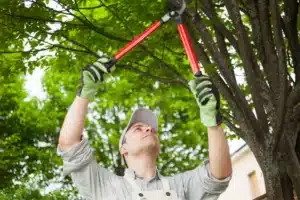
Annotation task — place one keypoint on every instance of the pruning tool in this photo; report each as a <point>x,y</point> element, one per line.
<point>176,14</point>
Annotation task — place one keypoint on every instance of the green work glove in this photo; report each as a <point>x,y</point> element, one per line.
<point>208,99</point>
<point>92,77</point>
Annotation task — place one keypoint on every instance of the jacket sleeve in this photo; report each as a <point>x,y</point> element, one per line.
<point>90,178</point>
<point>199,183</point>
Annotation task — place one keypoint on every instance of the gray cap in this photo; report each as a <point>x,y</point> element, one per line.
<point>140,115</point>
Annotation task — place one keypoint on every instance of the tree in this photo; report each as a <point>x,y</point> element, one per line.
<point>265,113</point>
<point>28,139</point>
<point>257,39</point>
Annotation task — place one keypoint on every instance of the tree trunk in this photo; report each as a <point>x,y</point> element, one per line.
<point>287,187</point>
<point>279,173</point>
<point>277,182</point>
<point>272,173</point>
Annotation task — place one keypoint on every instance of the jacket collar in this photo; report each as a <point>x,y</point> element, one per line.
<point>130,173</point>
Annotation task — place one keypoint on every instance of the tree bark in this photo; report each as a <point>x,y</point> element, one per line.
<point>281,169</point>
<point>297,147</point>
<point>271,171</point>
<point>277,182</point>
<point>287,187</point>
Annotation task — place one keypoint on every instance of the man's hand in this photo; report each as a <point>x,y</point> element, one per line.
<point>208,99</point>
<point>92,77</point>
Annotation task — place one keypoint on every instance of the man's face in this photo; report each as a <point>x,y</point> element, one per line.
<point>140,138</point>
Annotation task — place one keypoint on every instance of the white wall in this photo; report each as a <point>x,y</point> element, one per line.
<point>243,163</point>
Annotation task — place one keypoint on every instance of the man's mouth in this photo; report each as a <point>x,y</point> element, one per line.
<point>146,136</point>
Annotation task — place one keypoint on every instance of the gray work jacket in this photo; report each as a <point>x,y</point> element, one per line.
<point>97,183</point>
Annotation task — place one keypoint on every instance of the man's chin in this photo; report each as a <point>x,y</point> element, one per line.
<point>153,148</point>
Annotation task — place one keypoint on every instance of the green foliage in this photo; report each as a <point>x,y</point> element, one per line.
<point>28,133</point>
<point>22,192</point>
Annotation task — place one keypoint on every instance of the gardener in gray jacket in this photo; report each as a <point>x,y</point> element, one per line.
<point>140,147</point>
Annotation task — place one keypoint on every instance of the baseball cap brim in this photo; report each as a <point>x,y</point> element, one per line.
<point>140,115</point>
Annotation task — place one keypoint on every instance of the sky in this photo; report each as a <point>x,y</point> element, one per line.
<point>33,84</point>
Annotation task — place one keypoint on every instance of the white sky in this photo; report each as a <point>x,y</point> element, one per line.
<point>33,84</point>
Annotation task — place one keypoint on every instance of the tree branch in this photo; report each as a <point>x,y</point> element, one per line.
<point>156,78</point>
<point>222,48</point>
<point>77,43</point>
<point>23,17</point>
<point>29,51</point>
<point>291,120</point>
<point>253,75</point>
<point>174,52</point>
<point>268,104</point>
<point>239,113</point>
<point>218,24</point>
<point>208,9</point>
<point>151,54</point>
<point>71,49</point>
<point>219,59</point>
<point>48,8</point>
<point>282,69</point>
<point>233,128</point>
<point>256,30</point>
<point>91,27</point>
<point>271,63</point>
<point>75,8</point>
<point>88,51</point>
<point>45,49</point>
<point>291,31</point>
<point>88,23</point>
<point>68,9</point>
<point>90,8</point>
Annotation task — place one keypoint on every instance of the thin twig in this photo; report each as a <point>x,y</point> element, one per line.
<point>29,51</point>
<point>157,78</point>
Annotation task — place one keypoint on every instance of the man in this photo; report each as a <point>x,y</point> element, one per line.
<point>139,146</point>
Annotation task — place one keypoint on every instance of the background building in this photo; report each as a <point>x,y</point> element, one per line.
<point>247,180</point>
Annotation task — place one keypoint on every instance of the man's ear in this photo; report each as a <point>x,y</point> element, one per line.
<point>123,149</point>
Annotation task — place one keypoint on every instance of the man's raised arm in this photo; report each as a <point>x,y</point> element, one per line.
<point>219,157</point>
<point>208,99</point>
<point>91,79</point>
<point>73,125</point>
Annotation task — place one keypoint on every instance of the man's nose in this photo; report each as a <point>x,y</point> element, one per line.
<point>149,129</point>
